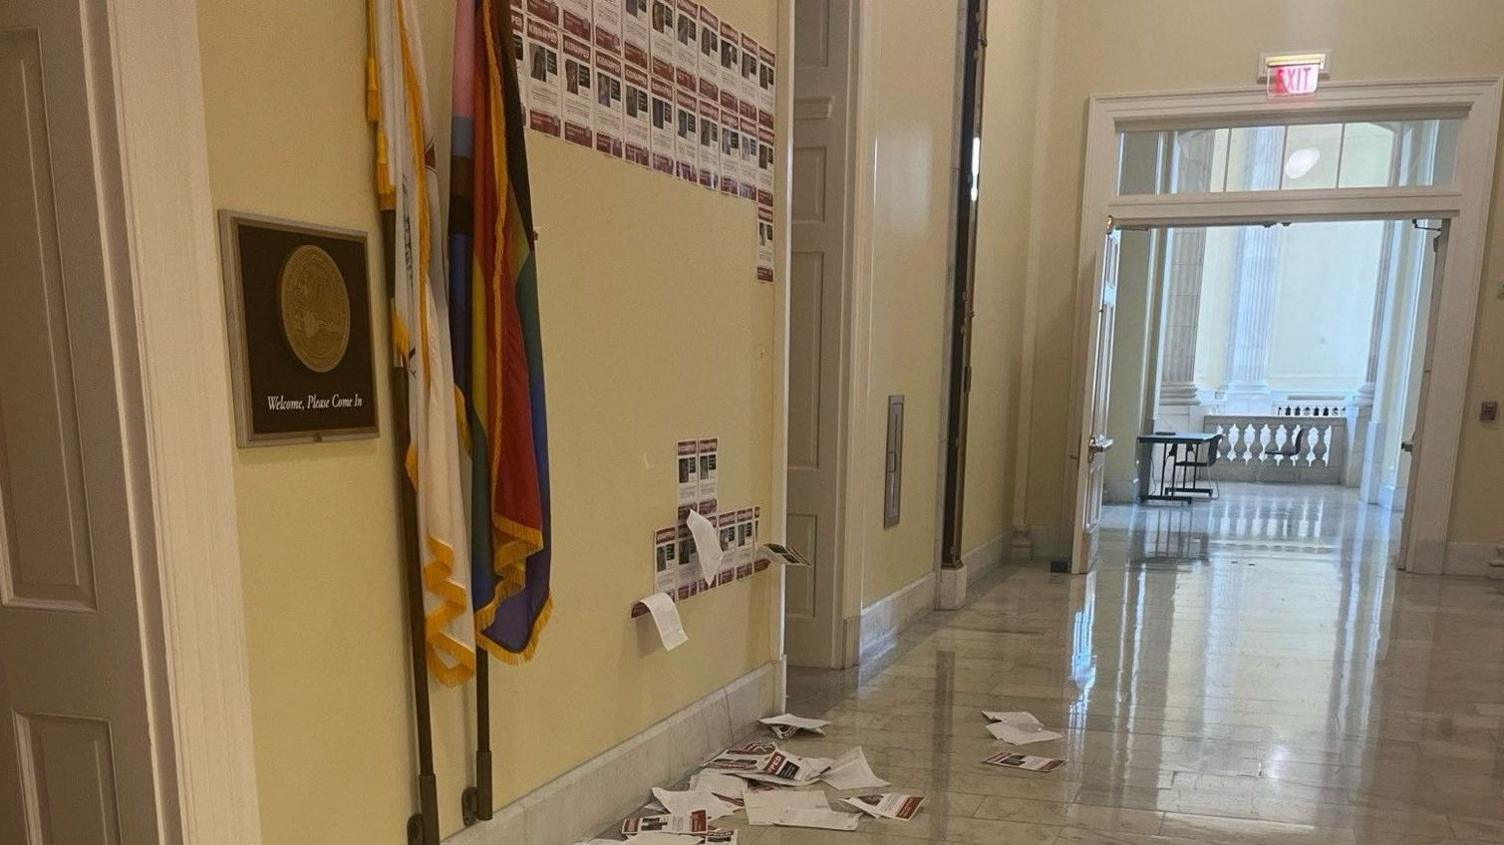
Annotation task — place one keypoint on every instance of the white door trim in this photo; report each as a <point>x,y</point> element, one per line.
<point>1466,203</point>
<point>179,405</point>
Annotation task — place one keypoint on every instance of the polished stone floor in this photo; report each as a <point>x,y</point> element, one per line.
<point>1251,670</point>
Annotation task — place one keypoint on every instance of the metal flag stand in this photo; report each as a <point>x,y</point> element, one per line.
<point>423,826</point>
<point>476,802</point>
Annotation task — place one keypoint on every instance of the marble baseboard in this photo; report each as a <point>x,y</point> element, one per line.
<point>1480,560</point>
<point>1051,542</point>
<point>606,788</point>
<point>950,594</point>
<point>883,619</point>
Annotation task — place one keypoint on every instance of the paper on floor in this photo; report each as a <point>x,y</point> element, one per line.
<point>685,803</point>
<point>666,617</point>
<point>1017,727</point>
<point>718,783</point>
<point>655,838</point>
<point>766,808</point>
<point>888,805</point>
<point>788,724</point>
<point>1026,762</point>
<point>694,822</point>
<point>779,767</point>
<point>823,819</point>
<point>851,771</point>
<point>707,545</point>
<point>717,836</point>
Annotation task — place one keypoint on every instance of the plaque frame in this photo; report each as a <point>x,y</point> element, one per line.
<point>356,372</point>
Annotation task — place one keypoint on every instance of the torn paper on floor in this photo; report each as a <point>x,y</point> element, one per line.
<point>788,724</point>
<point>686,803</point>
<point>851,771</point>
<point>707,545</point>
<point>766,808</point>
<point>1017,727</point>
<point>719,837</point>
<point>666,617</point>
<point>888,805</point>
<point>1026,762</point>
<point>655,838</point>
<point>822,819</point>
<point>695,822</point>
<point>719,784</point>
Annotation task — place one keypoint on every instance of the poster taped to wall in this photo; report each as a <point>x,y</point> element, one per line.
<point>689,564</point>
<point>730,80</point>
<point>576,19</point>
<point>663,50</point>
<point>767,95</point>
<point>662,135</point>
<point>519,50</point>
<point>666,560</point>
<point>610,103</point>
<point>687,137</point>
<point>606,20</point>
<point>765,167</point>
<point>635,31</point>
<point>637,120</point>
<point>579,101</point>
<point>546,11</point>
<point>687,459</point>
<point>749,91</point>
<point>731,151</point>
<point>708,68</point>
<point>750,152</point>
<point>710,145</point>
<point>764,244</point>
<point>687,46</point>
<point>544,88</point>
<point>708,459</point>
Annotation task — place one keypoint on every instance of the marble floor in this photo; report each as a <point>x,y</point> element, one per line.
<point>1251,670</point>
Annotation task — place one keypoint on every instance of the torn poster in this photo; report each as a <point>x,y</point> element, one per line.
<point>1026,762</point>
<point>785,554</point>
<point>787,724</point>
<point>851,771</point>
<point>666,617</point>
<point>688,802</point>
<point>1018,728</point>
<point>767,807</point>
<point>707,545</point>
<point>826,819</point>
<point>695,822</point>
<point>666,560</point>
<point>888,805</point>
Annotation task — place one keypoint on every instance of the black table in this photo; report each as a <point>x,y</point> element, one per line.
<point>1181,459</point>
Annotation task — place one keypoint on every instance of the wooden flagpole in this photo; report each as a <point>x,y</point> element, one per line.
<point>422,827</point>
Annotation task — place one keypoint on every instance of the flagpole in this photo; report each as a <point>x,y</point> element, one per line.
<point>477,802</point>
<point>423,827</point>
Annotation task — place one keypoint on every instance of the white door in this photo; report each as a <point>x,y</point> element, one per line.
<point>75,747</point>
<point>1412,443</point>
<point>1091,458</point>
<point>818,292</point>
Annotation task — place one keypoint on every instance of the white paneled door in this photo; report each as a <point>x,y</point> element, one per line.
<point>75,743</point>
<point>1095,441</point>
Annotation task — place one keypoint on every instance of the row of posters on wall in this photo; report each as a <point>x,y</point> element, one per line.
<point>678,569</point>
<point>663,84</point>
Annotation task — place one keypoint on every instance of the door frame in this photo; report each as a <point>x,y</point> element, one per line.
<point>1466,203</point>
<point>168,305</point>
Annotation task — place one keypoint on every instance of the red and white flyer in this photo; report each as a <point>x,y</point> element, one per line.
<point>635,33</point>
<point>708,70</point>
<point>687,460</point>
<point>605,19</point>
<point>725,524</point>
<point>764,167</point>
<point>731,151</point>
<point>687,45</point>
<point>545,93</point>
<point>710,145</point>
<point>687,136</point>
<point>767,87</point>
<point>730,81</point>
<point>666,560</point>
<point>695,822</point>
<point>688,579</point>
<point>576,18</point>
<point>610,104</point>
<point>637,119</point>
<point>708,459</point>
<point>764,244</point>
<point>579,99</point>
<point>749,91</point>
<point>744,543</point>
<point>662,133</point>
<point>664,50</point>
<point>519,51</point>
<point>546,11</point>
<point>750,149</point>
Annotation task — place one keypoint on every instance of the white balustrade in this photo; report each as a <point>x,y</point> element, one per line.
<point>1275,447</point>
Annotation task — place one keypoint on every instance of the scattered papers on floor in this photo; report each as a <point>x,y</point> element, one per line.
<point>1017,727</point>
<point>851,771</point>
<point>779,767</point>
<point>788,724</point>
<point>888,805</point>
<point>686,803</point>
<point>723,786</point>
<point>823,819</point>
<point>666,617</point>
<point>695,822</point>
<point>1026,762</point>
<point>767,807</point>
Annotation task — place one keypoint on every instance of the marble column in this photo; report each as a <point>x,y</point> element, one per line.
<point>1255,279</point>
<point>1179,399</point>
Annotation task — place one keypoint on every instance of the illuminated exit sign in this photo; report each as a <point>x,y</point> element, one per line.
<point>1293,75</point>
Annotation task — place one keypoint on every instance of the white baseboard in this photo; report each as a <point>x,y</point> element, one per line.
<point>606,788</point>
<point>984,558</point>
<point>883,619</point>
<point>1481,560</point>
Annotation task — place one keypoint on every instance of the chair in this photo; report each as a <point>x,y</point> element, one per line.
<point>1294,448</point>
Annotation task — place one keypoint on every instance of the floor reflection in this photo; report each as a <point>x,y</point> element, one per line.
<point>1246,670</point>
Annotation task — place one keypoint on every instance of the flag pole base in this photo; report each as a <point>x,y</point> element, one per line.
<point>476,801</point>
<point>423,828</point>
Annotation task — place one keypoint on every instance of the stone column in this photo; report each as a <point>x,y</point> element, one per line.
<point>1360,404</point>
<point>1179,399</point>
<point>1255,277</point>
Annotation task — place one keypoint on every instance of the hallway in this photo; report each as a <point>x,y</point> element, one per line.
<point>1249,670</point>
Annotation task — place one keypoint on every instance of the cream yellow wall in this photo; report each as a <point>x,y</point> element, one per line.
<point>1003,204</point>
<point>647,340</point>
<point>913,103</point>
<point>1122,46</point>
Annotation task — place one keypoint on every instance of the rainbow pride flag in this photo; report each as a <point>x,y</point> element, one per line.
<point>494,331</point>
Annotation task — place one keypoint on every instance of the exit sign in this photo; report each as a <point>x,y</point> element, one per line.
<point>1293,74</point>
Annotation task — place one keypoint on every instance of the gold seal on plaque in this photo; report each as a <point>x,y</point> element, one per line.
<point>315,308</point>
